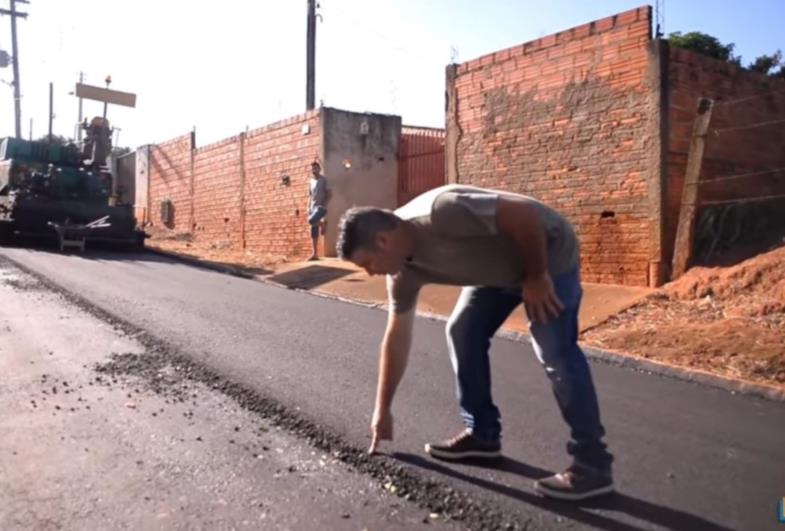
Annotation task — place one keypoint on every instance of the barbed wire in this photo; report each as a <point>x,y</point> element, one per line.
<point>741,175</point>
<point>743,127</point>
<point>748,98</point>
<point>743,200</point>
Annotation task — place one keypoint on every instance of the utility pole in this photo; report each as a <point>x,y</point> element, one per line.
<point>108,81</point>
<point>51,109</point>
<point>15,61</point>
<point>79,127</point>
<point>310,88</point>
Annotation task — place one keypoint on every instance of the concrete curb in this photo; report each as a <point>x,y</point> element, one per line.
<point>618,359</point>
<point>701,377</point>
<point>204,264</point>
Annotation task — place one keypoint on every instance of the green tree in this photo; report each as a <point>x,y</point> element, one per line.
<point>765,63</point>
<point>705,44</point>
<point>702,43</point>
<point>769,64</point>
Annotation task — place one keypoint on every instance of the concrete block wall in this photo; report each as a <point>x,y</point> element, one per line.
<point>142,184</point>
<point>360,163</point>
<point>571,119</point>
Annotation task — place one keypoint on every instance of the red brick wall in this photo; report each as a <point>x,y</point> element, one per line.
<point>170,178</point>
<point>741,98</point>
<point>276,217</point>
<point>217,193</point>
<point>567,119</point>
<point>244,170</point>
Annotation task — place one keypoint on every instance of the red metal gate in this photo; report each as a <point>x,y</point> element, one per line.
<point>420,161</point>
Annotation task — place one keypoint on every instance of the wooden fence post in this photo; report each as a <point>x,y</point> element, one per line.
<point>682,253</point>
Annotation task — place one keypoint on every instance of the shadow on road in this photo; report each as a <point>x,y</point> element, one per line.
<point>658,515</point>
<point>310,277</point>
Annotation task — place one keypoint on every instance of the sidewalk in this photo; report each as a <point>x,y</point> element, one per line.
<point>341,279</point>
<point>333,277</point>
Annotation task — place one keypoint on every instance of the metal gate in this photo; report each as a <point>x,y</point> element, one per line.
<point>420,161</point>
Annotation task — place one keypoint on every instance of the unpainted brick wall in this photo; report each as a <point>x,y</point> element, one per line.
<point>742,98</point>
<point>170,178</point>
<point>567,119</point>
<point>276,214</point>
<point>231,193</point>
<point>217,193</point>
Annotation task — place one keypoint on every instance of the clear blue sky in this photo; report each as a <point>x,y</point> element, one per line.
<point>222,66</point>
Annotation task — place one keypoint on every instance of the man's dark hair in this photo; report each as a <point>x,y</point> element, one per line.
<point>359,226</point>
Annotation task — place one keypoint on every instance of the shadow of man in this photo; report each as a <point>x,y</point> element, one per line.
<point>651,513</point>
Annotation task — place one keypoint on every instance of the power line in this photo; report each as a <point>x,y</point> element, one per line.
<point>380,36</point>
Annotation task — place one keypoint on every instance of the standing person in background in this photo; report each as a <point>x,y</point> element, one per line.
<point>318,196</point>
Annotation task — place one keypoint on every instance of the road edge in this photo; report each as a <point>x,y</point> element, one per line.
<point>616,358</point>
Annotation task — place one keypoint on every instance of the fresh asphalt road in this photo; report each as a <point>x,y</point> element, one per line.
<point>687,456</point>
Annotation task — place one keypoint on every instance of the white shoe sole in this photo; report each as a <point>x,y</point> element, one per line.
<point>454,456</point>
<point>560,495</point>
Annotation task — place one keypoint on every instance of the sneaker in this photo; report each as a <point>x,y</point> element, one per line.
<point>576,483</point>
<point>463,446</point>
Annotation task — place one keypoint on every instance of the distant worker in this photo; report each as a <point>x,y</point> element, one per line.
<point>318,197</point>
<point>504,249</point>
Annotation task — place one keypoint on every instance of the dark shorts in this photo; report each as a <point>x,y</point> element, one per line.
<point>317,215</point>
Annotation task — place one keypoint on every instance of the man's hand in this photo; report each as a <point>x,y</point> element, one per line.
<point>381,428</point>
<point>540,298</point>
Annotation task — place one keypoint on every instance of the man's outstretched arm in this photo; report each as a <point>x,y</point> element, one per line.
<point>393,357</point>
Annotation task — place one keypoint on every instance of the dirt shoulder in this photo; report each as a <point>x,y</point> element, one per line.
<point>725,320</point>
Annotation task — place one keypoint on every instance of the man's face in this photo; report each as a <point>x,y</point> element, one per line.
<point>316,169</point>
<point>383,260</point>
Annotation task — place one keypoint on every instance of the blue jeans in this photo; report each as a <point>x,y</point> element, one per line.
<point>479,313</point>
<point>315,217</point>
